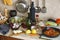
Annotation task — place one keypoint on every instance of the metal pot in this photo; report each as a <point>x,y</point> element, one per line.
<point>13,13</point>
<point>22,6</point>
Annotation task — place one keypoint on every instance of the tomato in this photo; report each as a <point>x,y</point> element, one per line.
<point>58,21</point>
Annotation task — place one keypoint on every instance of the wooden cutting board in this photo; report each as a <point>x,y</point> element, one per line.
<point>8,38</point>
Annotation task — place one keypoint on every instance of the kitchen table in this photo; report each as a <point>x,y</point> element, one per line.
<point>27,37</point>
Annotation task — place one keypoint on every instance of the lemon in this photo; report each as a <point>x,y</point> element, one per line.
<point>34,31</point>
<point>28,31</point>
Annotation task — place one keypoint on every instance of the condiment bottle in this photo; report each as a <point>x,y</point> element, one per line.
<point>28,21</point>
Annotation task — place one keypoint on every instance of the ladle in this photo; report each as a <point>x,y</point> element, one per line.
<point>37,9</point>
<point>44,9</point>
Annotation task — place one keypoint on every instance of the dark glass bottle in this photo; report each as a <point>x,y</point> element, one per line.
<point>32,13</point>
<point>28,23</point>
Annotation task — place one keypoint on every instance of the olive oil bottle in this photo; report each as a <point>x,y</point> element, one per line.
<point>28,22</point>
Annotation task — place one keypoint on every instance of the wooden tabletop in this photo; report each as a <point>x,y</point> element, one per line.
<point>8,38</point>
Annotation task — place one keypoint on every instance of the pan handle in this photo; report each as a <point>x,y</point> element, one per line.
<point>43,3</point>
<point>43,38</point>
<point>37,3</point>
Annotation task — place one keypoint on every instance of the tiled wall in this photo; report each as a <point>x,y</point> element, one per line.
<point>53,8</point>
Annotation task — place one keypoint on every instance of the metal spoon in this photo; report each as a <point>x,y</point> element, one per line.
<point>44,9</point>
<point>37,9</point>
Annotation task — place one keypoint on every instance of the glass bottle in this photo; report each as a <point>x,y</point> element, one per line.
<point>32,12</point>
<point>28,22</point>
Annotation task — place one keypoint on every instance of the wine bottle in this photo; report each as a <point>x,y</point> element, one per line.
<point>32,12</point>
